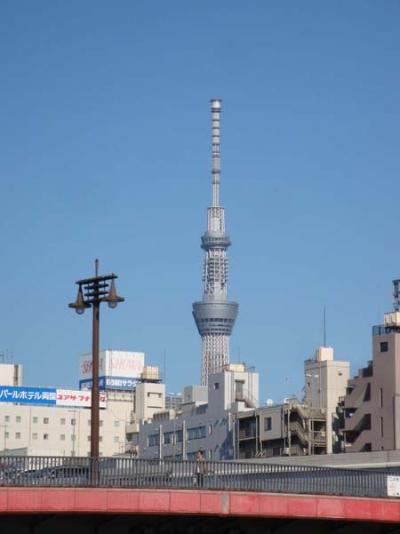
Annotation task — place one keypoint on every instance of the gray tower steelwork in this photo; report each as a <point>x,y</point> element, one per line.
<point>215,315</point>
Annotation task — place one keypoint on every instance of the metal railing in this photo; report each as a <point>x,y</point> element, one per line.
<point>232,476</point>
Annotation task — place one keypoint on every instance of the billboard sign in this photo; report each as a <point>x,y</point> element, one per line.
<point>49,396</point>
<point>111,382</point>
<point>114,367</point>
<point>27,395</point>
<point>77,399</point>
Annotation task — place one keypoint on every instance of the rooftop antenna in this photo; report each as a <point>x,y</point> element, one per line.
<point>324,326</point>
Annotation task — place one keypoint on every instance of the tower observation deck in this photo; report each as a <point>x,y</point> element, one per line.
<point>214,315</point>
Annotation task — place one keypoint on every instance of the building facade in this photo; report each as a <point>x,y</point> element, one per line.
<point>201,425</point>
<point>53,421</point>
<point>325,383</point>
<point>214,315</point>
<point>371,406</point>
<point>289,429</point>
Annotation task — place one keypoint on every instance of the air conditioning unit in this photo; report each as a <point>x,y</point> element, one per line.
<point>285,451</point>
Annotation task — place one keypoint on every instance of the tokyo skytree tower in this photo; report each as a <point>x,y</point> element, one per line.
<point>215,315</point>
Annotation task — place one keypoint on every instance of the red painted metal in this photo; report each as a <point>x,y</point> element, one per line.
<point>176,502</point>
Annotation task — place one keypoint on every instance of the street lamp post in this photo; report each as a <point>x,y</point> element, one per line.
<point>91,293</point>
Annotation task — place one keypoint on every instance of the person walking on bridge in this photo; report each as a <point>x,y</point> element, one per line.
<point>201,468</point>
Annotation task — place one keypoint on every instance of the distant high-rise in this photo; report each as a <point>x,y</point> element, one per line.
<point>215,315</point>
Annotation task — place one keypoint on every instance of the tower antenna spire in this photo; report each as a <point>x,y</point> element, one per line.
<point>216,149</point>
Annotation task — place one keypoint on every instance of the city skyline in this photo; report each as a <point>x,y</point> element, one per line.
<point>105,153</point>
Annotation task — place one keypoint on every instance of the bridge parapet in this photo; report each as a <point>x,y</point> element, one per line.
<point>221,476</point>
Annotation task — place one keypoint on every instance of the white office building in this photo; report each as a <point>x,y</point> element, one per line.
<point>55,421</point>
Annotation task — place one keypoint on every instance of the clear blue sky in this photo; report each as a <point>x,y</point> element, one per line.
<point>105,152</point>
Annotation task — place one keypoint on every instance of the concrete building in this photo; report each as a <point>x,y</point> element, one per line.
<point>325,383</point>
<point>149,399</point>
<point>173,401</point>
<point>371,406</point>
<point>10,374</point>
<point>62,431</point>
<point>201,425</point>
<point>54,421</point>
<point>195,394</point>
<point>214,315</point>
<point>288,429</point>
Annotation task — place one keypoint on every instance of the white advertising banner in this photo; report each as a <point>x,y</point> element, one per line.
<point>113,363</point>
<point>77,398</point>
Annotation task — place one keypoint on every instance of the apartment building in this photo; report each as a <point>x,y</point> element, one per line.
<point>371,405</point>
<point>325,382</point>
<point>289,429</point>
<point>201,423</point>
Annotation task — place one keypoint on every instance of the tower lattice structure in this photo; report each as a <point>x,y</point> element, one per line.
<point>214,315</point>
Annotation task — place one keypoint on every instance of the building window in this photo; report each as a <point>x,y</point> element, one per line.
<point>198,432</point>
<point>239,390</point>
<point>73,422</point>
<point>34,419</point>
<point>381,397</point>
<point>168,437</point>
<point>100,423</point>
<point>154,440</point>
<point>381,427</point>
<point>62,437</point>
<point>45,420</point>
<point>88,438</point>
<point>100,438</point>
<point>384,346</point>
<point>179,436</point>
<point>18,419</point>
<point>216,385</point>
<point>267,424</point>
<point>34,435</point>
<point>62,420</point>
<point>7,418</point>
<point>116,439</point>
<point>73,437</point>
<point>45,436</point>
<point>191,456</point>
<point>210,430</point>
<point>116,424</point>
<point>18,435</point>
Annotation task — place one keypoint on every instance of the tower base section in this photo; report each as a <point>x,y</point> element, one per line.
<point>215,321</point>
